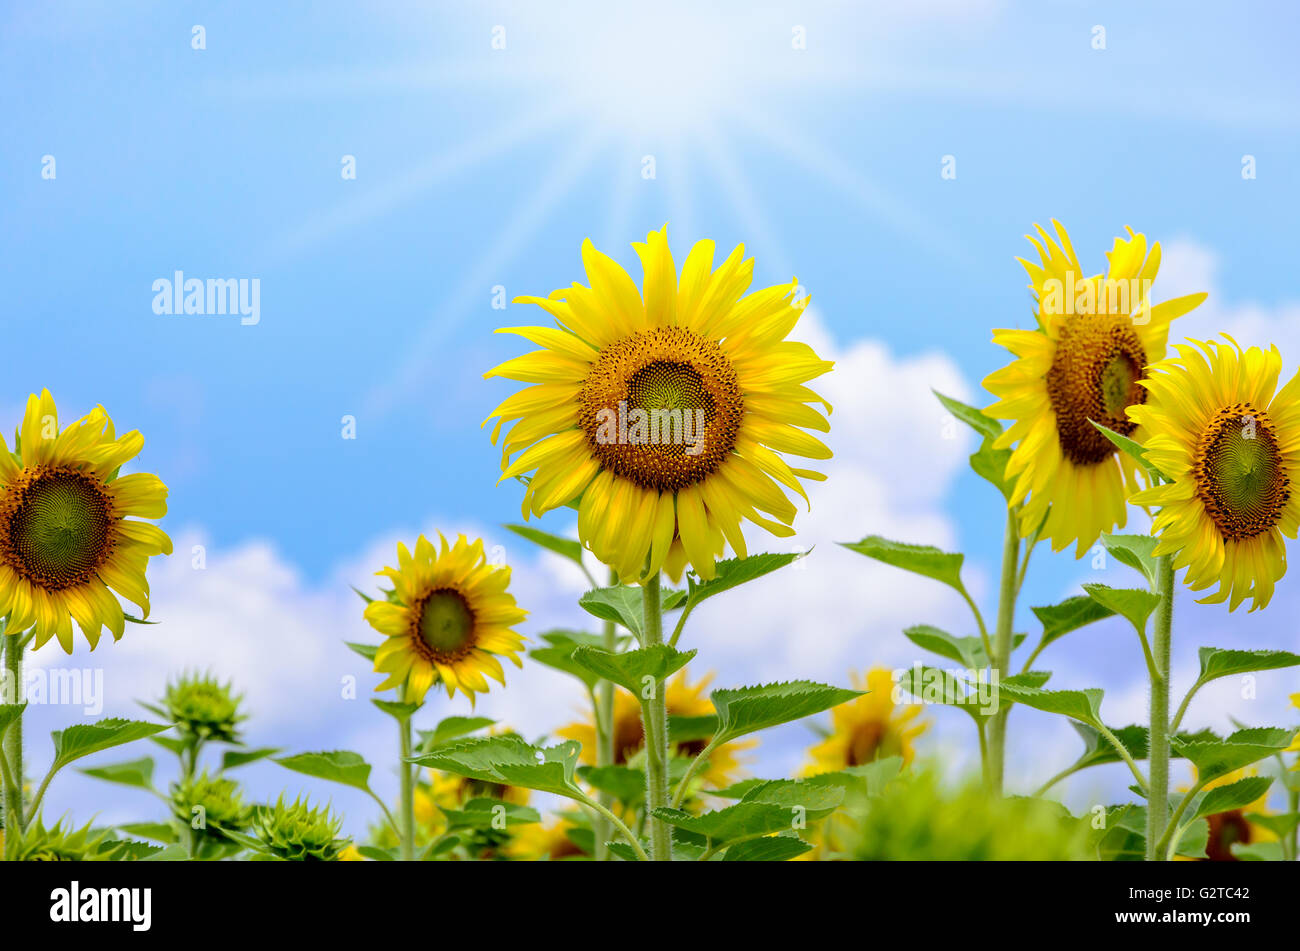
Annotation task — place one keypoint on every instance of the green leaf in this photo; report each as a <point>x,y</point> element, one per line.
<point>337,766</point>
<point>1099,750</point>
<point>170,853</point>
<point>510,761</point>
<point>932,685</point>
<point>566,547</point>
<point>484,813</point>
<point>83,739</point>
<point>632,669</point>
<point>1217,662</point>
<point>156,831</point>
<point>1257,851</point>
<point>770,848</point>
<point>1280,824</point>
<point>9,712</point>
<point>1136,604</point>
<point>401,712</point>
<point>169,743</point>
<point>625,784</point>
<point>976,419</point>
<point>560,657</point>
<point>991,465</point>
<point>1233,796</point>
<point>967,651</point>
<point>452,728</point>
<point>367,651</point>
<point>620,604</point>
<point>1084,705</point>
<point>684,729</point>
<point>922,559</point>
<point>1070,615</point>
<point>233,758</point>
<point>138,773</point>
<point>1131,448</point>
<point>1214,757</point>
<point>1134,551</point>
<point>734,572</point>
<point>750,709</point>
<point>771,807</point>
<point>376,854</point>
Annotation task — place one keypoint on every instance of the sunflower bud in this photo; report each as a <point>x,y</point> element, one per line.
<point>209,804</point>
<point>296,832</point>
<point>203,709</point>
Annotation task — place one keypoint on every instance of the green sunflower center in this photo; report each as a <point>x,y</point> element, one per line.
<point>446,624</point>
<point>56,527</point>
<point>661,408</point>
<point>1094,376</point>
<point>1240,475</point>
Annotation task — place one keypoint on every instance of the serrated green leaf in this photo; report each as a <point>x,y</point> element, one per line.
<point>1070,615</point>
<point>625,784</point>
<point>769,848</point>
<point>770,807</point>
<point>337,766</point>
<point>1217,662</point>
<point>932,685</point>
<point>138,773</point>
<point>1135,604</point>
<point>156,831</point>
<point>1213,757</point>
<point>1084,705</point>
<point>967,651</point>
<point>1257,851</point>
<point>622,604</point>
<point>1130,448</point>
<point>734,572</point>
<point>1134,551</point>
<point>170,853</point>
<point>238,757</point>
<point>483,813</point>
<point>401,712</point>
<point>1232,796</point>
<point>990,464</point>
<point>86,738</point>
<point>684,729</point>
<point>566,547</point>
<point>922,559</point>
<point>976,419</point>
<point>750,709</point>
<point>1098,750</point>
<point>452,728</point>
<point>1028,678</point>
<point>510,761</point>
<point>632,670</point>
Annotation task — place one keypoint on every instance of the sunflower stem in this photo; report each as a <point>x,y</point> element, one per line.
<point>13,749</point>
<point>654,724</point>
<point>605,736</point>
<point>1001,656</point>
<point>1158,784</point>
<point>408,791</point>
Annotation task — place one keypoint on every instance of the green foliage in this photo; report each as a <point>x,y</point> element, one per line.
<point>632,670</point>
<point>750,709</point>
<point>138,773</point>
<point>1135,604</point>
<point>922,559</point>
<point>510,761</point>
<point>337,766</point>
<point>564,547</point>
<point>202,708</point>
<point>1070,615</point>
<point>298,832</point>
<point>1214,757</point>
<point>622,604</point>
<point>1136,551</point>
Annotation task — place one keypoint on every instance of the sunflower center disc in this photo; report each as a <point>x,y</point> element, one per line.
<point>57,527</point>
<point>446,623</point>
<point>661,408</point>
<point>1094,376</point>
<point>1239,473</point>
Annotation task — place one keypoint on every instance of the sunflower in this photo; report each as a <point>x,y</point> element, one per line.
<point>447,620</point>
<point>1231,446</point>
<point>1083,363</point>
<point>538,842</point>
<point>867,728</point>
<point>65,536</point>
<point>664,414</point>
<point>1233,826</point>
<point>683,699</point>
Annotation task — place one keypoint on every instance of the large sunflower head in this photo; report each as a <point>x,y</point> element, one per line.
<point>867,728</point>
<point>66,536</point>
<point>1230,441</point>
<point>665,412</point>
<point>683,699</point>
<point>447,619</point>
<point>1083,363</point>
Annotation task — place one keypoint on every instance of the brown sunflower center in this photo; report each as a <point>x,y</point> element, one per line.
<point>1094,376</point>
<point>1240,475</point>
<point>56,527</point>
<point>444,625</point>
<point>864,744</point>
<point>661,408</point>
<point>1225,829</point>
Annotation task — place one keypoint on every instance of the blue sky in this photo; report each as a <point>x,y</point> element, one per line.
<point>479,167</point>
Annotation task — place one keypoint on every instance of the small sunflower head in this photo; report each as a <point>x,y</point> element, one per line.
<point>448,618</point>
<point>60,843</point>
<point>298,832</point>
<point>208,804</point>
<point>203,708</point>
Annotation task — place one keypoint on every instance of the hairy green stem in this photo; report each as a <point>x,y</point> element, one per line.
<point>654,723</point>
<point>1001,657</point>
<point>605,752</point>
<point>1158,787</point>
<point>408,792</point>
<point>13,749</point>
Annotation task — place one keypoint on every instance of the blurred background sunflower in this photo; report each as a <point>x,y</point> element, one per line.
<point>868,727</point>
<point>719,390</point>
